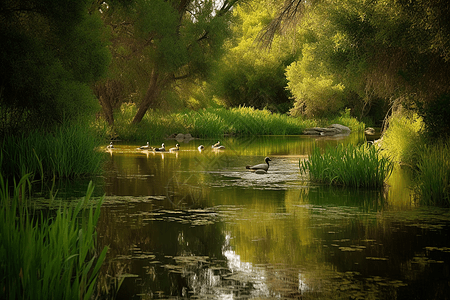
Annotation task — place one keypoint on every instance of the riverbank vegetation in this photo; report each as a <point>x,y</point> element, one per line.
<point>215,122</point>
<point>350,166</point>
<point>143,70</point>
<point>64,151</point>
<point>47,256</point>
<point>408,143</point>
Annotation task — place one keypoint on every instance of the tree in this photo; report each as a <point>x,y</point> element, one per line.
<point>247,74</point>
<point>50,53</point>
<point>391,50</point>
<point>156,43</point>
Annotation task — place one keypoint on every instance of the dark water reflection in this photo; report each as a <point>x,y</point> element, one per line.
<point>197,224</point>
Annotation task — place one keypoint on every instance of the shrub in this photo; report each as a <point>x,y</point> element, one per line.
<point>401,140</point>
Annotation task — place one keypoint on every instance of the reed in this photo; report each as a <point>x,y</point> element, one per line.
<point>47,257</point>
<point>347,165</point>
<point>433,176</point>
<point>67,151</point>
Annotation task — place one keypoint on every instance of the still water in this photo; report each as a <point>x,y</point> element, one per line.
<point>198,225</point>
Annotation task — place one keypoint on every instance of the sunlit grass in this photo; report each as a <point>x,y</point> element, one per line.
<point>405,144</point>
<point>47,257</point>
<point>402,140</point>
<point>347,165</point>
<point>346,119</point>
<point>67,151</point>
<point>433,179</point>
<point>214,122</point>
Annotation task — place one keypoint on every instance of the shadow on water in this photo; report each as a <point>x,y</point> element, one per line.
<point>198,224</point>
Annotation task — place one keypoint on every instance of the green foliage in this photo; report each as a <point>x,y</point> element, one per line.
<point>344,118</point>
<point>47,257</point>
<point>315,97</point>
<point>348,165</point>
<point>361,53</point>
<point>159,45</point>
<point>248,75</point>
<point>50,54</point>
<point>250,121</point>
<point>402,140</point>
<point>435,115</point>
<point>405,142</point>
<point>433,178</point>
<point>210,122</point>
<point>65,151</point>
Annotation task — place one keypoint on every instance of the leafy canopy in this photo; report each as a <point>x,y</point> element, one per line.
<point>50,54</point>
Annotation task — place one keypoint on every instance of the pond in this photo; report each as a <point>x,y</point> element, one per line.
<point>199,225</point>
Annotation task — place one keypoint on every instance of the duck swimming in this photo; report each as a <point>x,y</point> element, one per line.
<point>162,149</point>
<point>146,147</point>
<point>264,166</point>
<point>217,146</point>
<point>110,146</point>
<point>200,148</point>
<point>176,148</point>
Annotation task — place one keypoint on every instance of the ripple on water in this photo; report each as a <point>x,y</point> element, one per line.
<point>284,175</point>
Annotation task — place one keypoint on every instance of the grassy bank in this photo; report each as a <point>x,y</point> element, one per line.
<point>47,257</point>
<point>406,143</point>
<point>215,122</point>
<point>352,166</point>
<point>67,151</point>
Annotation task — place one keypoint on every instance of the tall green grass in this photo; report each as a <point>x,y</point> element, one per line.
<point>214,122</point>
<point>47,257</point>
<point>347,165</point>
<point>67,151</point>
<point>433,176</point>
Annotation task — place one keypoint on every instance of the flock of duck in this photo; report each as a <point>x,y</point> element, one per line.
<point>259,168</point>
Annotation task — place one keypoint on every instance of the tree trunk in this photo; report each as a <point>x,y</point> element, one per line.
<point>157,83</point>
<point>107,110</point>
<point>110,94</point>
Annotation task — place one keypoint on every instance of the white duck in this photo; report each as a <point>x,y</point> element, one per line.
<point>176,148</point>
<point>146,147</point>
<point>162,149</point>
<point>217,146</point>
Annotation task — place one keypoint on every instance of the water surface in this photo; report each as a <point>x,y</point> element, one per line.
<point>199,225</point>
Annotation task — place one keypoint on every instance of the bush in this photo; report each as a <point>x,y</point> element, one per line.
<point>401,140</point>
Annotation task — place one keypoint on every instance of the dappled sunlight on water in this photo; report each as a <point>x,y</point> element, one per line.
<point>199,224</point>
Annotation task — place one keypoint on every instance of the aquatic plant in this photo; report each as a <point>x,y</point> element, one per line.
<point>433,176</point>
<point>47,257</point>
<point>347,165</point>
<point>67,151</point>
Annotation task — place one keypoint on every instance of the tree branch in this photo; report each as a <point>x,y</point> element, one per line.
<point>286,19</point>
